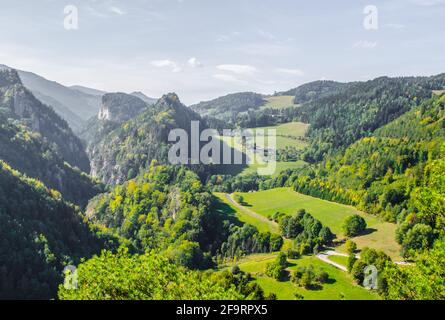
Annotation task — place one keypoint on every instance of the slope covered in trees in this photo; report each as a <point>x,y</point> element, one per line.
<point>144,277</point>
<point>115,109</point>
<point>17,103</point>
<point>227,107</point>
<point>32,155</point>
<point>126,151</point>
<point>40,234</point>
<point>338,120</point>
<point>168,210</point>
<point>315,90</point>
<point>74,104</point>
<point>385,174</point>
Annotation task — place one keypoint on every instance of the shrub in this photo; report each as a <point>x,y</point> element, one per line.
<point>276,268</point>
<point>354,225</point>
<point>350,246</point>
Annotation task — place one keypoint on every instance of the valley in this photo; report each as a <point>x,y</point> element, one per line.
<point>339,286</point>
<point>380,234</point>
<point>359,181</point>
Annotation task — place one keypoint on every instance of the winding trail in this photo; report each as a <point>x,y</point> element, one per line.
<point>324,256</point>
<point>251,213</point>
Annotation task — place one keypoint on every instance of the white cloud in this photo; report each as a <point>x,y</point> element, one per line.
<point>229,78</point>
<point>194,63</point>
<point>116,10</point>
<point>166,64</point>
<point>241,69</point>
<point>267,35</point>
<point>363,44</point>
<point>295,72</point>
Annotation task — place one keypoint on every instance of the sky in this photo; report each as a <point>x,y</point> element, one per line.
<point>202,49</point>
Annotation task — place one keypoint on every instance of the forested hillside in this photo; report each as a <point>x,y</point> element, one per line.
<point>377,145</point>
<point>316,90</point>
<point>115,109</point>
<point>73,104</point>
<point>126,151</point>
<point>384,173</point>
<point>16,102</point>
<point>339,119</point>
<point>228,107</point>
<point>40,235</point>
<point>32,155</point>
<point>169,210</point>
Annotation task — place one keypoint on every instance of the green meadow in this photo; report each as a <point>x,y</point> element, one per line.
<point>288,135</point>
<point>339,286</point>
<point>339,259</point>
<point>228,209</point>
<point>293,129</point>
<point>380,234</point>
<point>280,102</point>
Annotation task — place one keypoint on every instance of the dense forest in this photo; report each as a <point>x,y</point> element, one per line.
<point>29,153</point>
<point>17,102</point>
<point>128,149</point>
<point>40,235</point>
<point>228,107</point>
<point>167,209</point>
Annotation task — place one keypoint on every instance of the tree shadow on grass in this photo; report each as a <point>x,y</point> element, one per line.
<point>314,287</point>
<point>368,231</point>
<point>330,281</point>
<point>227,212</point>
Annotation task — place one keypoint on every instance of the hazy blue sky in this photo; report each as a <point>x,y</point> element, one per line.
<point>205,48</point>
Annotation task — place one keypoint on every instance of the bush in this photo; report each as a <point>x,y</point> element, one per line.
<point>351,247</point>
<point>357,271</point>
<point>276,242</point>
<point>351,261</point>
<point>326,235</point>
<point>419,238</point>
<point>354,225</point>
<point>238,198</point>
<point>308,277</point>
<point>292,254</point>
<point>276,268</point>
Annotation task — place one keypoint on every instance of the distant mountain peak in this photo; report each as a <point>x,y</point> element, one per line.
<point>120,107</point>
<point>89,91</point>
<point>9,77</point>
<point>144,97</point>
<point>20,104</point>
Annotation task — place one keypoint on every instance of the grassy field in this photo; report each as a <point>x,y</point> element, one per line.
<point>339,259</point>
<point>281,166</point>
<point>226,208</point>
<point>339,286</point>
<point>280,102</point>
<point>380,235</point>
<point>287,136</point>
<point>294,129</point>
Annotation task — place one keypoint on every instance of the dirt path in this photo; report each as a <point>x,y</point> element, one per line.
<point>324,256</point>
<point>251,213</point>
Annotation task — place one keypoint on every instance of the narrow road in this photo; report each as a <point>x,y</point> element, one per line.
<point>251,213</point>
<point>325,258</point>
